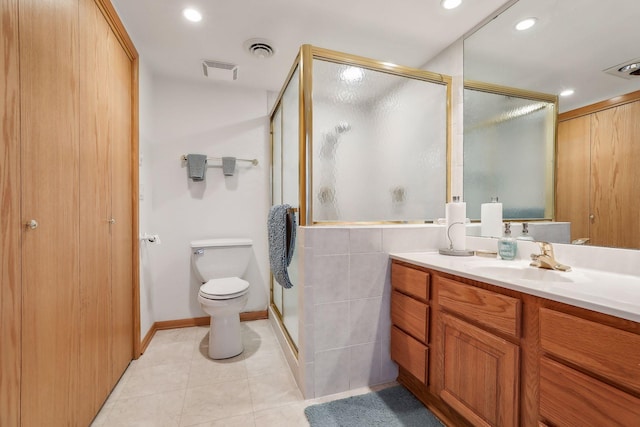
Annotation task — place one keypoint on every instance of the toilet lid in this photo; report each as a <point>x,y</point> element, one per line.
<point>224,288</point>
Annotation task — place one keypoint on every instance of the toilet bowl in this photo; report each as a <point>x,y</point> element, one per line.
<point>219,265</point>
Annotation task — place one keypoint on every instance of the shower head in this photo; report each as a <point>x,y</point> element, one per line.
<point>342,127</point>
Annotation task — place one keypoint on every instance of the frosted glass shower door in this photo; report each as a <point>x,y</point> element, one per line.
<point>379,145</point>
<point>291,194</point>
<point>276,185</point>
<point>285,190</point>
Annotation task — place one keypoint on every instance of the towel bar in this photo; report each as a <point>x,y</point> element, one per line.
<point>252,161</point>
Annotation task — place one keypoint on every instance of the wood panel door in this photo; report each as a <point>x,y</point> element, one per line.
<point>95,370</point>
<point>615,177</point>
<point>122,205</point>
<point>49,172</point>
<point>10,220</point>
<point>573,164</point>
<point>480,374</point>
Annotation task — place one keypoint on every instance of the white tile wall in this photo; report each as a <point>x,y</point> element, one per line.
<point>345,318</point>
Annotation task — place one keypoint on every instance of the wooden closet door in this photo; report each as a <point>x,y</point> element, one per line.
<point>120,104</point>
<point>95,211</point>
<point>615,177</point>
<point>49,172</point>
<point>10,220</point>
<point>572,174</point>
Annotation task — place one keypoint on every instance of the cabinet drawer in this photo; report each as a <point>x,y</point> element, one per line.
<point>410,281</point>
<point>606,351</point>
<point>410,315</point>
<point>409,353</point>
<point>569,398</point>
<point>481,306</point>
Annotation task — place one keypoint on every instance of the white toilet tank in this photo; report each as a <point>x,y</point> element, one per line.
<point>218,258</point>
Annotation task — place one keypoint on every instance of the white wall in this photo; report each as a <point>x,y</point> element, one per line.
<point>145,114</point>
<point>216,120</point>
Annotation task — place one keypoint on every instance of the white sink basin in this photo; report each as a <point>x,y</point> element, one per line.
<point>520,272</point>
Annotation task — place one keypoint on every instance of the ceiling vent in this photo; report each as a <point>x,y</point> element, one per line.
<point>259,48</point>
<point>216,70</point>
<point>627,70</point>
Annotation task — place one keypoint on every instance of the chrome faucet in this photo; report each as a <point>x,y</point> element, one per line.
<point>546,258</point>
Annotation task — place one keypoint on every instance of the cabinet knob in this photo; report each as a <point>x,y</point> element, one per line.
<point>592,216</point>
<point>33,224</point>
<point>112,221</point>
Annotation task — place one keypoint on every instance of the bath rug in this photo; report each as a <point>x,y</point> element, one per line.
<point>390,407</point>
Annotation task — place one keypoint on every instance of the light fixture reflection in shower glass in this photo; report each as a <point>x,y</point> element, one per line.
<point>525,24</point>
<point>450,4</point>
<point>352,74</point>
<point>192,15</point>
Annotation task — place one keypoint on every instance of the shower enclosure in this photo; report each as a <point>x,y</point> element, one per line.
<point>357,141</point>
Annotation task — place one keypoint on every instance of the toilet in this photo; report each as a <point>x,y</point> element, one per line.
<point>219,265</point>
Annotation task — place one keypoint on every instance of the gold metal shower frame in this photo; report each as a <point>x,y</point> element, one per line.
<point>304,63</point>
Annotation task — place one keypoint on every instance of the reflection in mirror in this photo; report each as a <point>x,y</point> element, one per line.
<point>508,137</point>
<point>598,141</point>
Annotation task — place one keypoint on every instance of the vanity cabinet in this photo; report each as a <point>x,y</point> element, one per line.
<point>584,372</point>
<point>410,320</point>
<point>477,354</point>
<point>479,369</point>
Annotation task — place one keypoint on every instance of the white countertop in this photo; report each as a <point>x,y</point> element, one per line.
<point>604,292</point>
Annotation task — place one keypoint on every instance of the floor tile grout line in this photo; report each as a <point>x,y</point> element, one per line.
<point>196,347</point>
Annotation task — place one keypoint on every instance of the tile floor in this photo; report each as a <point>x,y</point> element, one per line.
<point>174,383</point>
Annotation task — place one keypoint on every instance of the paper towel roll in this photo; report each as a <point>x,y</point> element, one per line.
<point>491,219</point>
<point>456,214</point>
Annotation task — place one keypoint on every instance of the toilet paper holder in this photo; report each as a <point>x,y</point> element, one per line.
<point>151,238</point>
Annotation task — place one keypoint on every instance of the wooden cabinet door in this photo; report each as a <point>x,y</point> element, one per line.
<point>95,211</point>
<point>573,162</point>
<point>615,177</point>
<point>480,374</point>
<point>10,220</point>
<point>49,173</point>
<point>122,208</point>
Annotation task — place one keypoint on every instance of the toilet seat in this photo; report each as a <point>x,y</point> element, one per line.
<point>226,288</point>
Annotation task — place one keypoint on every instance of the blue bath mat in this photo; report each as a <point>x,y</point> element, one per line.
<point>390,407</point>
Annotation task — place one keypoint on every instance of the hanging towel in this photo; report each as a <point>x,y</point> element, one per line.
<point>281,226</point>
<point>196,166</point>
<point>228,165</point>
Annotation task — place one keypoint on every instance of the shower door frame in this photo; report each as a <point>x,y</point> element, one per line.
<point>304,64</point>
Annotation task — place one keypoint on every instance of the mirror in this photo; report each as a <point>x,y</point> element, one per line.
<point>578,45</point>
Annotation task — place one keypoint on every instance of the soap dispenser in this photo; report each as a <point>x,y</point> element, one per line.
<point>507,245</point>
<point>525,233</point>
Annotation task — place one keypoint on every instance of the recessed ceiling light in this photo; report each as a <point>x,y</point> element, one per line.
<point>630,67</point>
<point>192,15</point>
<point>525,24</point>
<point>450,4</point>
<point>567,92</point>
<point>352,74</point>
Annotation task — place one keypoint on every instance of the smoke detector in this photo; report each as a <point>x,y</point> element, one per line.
<point>627,70</point>
<point>259,48</point>
<point>216,70</point>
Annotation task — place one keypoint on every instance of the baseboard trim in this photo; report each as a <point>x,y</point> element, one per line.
<point>195,321</point>
<point>253,315</point>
